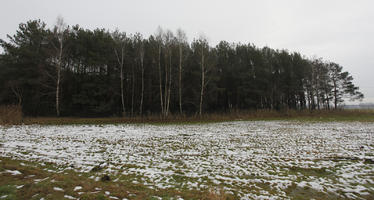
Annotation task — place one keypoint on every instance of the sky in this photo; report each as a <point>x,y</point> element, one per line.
<point>341,31</point>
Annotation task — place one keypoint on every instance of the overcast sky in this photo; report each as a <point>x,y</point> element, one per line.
<point>336,30</point>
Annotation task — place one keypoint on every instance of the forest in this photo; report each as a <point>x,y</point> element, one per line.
<point>73,71</point>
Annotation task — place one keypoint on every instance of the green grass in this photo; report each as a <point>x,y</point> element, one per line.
<point>9,191</point>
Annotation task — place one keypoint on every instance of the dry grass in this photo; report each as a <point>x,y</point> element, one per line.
<point>303,115</point>
<point>11,114</point>
<point>216,195</point>
<point>67,180</point>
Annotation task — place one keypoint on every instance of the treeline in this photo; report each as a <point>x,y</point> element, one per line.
<point>72,71</point>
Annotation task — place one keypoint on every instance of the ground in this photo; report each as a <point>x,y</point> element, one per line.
<point>242,159</point>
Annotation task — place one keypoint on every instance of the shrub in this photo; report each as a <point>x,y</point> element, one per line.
<point>11,114</point>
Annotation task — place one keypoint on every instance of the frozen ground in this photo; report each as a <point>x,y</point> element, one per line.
<point>261,160</point>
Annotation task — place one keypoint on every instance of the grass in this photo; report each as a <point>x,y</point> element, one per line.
<point>258,182</point>
<point>305,115</point>
<point>318,172</point>
<point>301,193</point>
<point>36,182</point>
<point>10,185</point>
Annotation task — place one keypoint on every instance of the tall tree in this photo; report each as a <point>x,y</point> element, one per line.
<point>119,50</point>
<point>342,85</point>
<point>104,73</point>
<point>139,43</point>
<point>169,39</point>
<point>182,40</point>
<point>60,32</point>
<point>159,39</point>
<point>25,57</point>
<point>202,46</point>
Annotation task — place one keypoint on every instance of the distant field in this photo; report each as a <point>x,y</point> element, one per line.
<point>230,160</point>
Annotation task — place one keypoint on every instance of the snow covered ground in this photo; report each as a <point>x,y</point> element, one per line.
<point>259,159</point>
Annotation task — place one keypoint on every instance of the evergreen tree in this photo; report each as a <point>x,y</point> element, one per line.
<point>80,72</point>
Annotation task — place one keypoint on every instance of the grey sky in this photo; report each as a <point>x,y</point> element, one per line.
<point>337,30</point>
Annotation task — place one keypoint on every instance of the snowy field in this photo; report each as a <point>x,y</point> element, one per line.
<point>260,159</point>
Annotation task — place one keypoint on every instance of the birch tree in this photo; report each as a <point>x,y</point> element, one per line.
<point>204,50</point>
<point>119,51</point>
<point>182,40</point>
<point>140,51</point>
<point>60,32</point>
<point>168,38</point>
<point>159,39</point>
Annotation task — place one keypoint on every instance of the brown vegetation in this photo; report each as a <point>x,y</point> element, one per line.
<point>38,181</point>
<point>304,115</point>
<point>11,114</point>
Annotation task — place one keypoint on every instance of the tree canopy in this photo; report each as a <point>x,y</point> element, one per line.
<point>81,72</point>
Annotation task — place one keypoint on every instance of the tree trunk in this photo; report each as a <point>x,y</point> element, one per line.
<point>202,81</point>
<point>168,100</point>
<point>58,80</point>
<point>132,91</point>
<point>308,97</point>
<point>335,96</point>
<point>122,93</point>
<point>318,99</point>
<point>166,85</point>
<point>160,78</point>
<point>121,65</point>
<point>59,31</point>
<point>142,93</point>
<point>328,99</point>
<point>17,94</point>
<point>313,100</point>
<point>180,80</point>
<point>58,92</point>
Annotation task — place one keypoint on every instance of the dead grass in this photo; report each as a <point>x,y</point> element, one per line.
<point>68,179</point>
<point>302,115</point>
<point>216,195</point>
<point>11,114</point>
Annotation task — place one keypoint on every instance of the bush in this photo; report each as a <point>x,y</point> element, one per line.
<point>11,114</point>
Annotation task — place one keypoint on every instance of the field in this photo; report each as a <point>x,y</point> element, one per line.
<point>227,160</point>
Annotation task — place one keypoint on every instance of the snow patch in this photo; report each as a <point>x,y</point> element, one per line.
<point>58,189</point>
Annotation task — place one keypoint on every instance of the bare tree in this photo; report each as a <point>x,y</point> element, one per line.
<point>204,49</point>
<point>168,38</point>
<point>140,48</point>
<point>165,39</point>
<point>182,40</point>
<point>142,68</point>
<point>60,31</point>
<point>158,35</point>
<point>119,50</point>
<point>132,89</point>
